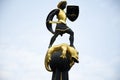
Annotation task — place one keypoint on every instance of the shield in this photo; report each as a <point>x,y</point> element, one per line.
<point>72,12</point>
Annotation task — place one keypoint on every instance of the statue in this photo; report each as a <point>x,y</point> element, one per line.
<point>61,26</point>
<point>60,58</point>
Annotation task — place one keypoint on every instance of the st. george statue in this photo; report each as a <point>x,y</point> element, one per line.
<point>61,26</point>
<point>60,58</point>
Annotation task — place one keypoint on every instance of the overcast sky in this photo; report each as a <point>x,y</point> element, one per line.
<point>24,39</point>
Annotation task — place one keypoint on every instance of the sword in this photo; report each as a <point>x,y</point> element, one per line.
<point>57,22</point>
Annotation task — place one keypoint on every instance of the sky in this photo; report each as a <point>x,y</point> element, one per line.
<point>24,39</point>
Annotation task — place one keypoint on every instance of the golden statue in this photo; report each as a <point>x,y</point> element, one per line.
<point>60,58</point>
<point>61,26</point>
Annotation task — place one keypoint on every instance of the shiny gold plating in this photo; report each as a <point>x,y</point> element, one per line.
<point>60,3</point>
<point>62,15</point>
<point>65,48</point>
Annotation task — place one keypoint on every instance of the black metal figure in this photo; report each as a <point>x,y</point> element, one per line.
<point>61,26</point>
<point>60,58</point>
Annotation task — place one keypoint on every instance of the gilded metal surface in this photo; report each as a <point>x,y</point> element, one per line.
<point>61,17</point>
<point>59,4</point>
<point>65,50</point>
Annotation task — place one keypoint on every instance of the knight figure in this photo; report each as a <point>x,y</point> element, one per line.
<point>61,26</point>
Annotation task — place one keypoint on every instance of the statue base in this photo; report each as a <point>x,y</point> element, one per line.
<point>59,60</point>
